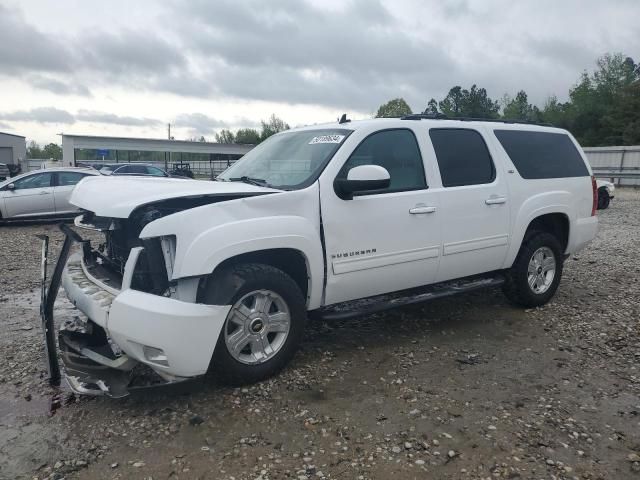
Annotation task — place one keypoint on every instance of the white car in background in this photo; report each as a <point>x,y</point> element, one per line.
<point>605,193</point>
<point>40,193</point>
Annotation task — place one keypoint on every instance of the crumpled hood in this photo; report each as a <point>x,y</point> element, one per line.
<point>117,197</point>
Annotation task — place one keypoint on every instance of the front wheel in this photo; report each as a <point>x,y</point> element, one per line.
<point>535,275</point>
<point>264,327</point>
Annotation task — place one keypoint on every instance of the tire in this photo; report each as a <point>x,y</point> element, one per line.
<point>242,286</point>
<point>517,287</point>
<point>603,199</point>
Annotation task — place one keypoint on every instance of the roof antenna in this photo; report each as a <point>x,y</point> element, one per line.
<point>344,119</point>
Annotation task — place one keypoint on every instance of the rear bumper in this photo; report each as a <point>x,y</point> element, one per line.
<point>584,231</point>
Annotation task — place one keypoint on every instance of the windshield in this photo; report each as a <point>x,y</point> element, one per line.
<point>288,160</point>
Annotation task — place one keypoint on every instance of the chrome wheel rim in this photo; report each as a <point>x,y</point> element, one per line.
<point>542,270</point>
<point>257,327</point>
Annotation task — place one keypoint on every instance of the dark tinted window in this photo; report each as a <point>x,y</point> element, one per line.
<point>156,172</point>
<point>542,154</point>
<point>395,150</point>
<point>69,178</point>
<point>40,180</point>
<point>463,157</point>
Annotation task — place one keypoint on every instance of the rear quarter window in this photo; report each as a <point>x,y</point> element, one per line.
<point>542,154</point>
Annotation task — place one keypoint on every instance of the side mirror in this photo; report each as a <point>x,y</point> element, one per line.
<point>361,179</point>
<point>11,186</point>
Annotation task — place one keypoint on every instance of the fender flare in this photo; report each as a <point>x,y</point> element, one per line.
<point>526,215</point>
<point>213,246</point>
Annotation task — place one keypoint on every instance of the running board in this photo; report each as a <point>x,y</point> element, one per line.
<point>381,303</point>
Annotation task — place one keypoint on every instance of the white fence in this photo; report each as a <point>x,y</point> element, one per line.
<point>620,165</point>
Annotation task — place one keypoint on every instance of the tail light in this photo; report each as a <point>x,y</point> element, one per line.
<point>594,187</point>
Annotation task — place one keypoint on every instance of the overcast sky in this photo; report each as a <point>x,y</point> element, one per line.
<point>128,68</point>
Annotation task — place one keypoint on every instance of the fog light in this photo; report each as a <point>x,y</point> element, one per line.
<point>155,355</point>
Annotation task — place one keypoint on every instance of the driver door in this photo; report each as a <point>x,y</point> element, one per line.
<point>32,195</point>
<point>385,240</point>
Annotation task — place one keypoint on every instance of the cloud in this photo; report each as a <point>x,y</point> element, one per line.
<point>103,117</point>
<point>351,55</point>
<point>24,48</point>
<point>198,122</point>
<point>46,115</point>
<point>290,51</point>
<point>40,115</point>
<point>129,52</point>
<point>57,86</point>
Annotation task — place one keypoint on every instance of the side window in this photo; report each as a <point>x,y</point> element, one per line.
<point>395,150</point>
<point>137,169</point>
<point>66,179</point>
<point>542,154</point>
<point>463,157</point>
<point>40,180</point>
<point>156,172</point>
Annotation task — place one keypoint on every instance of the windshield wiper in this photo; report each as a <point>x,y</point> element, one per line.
<point>251,181</point>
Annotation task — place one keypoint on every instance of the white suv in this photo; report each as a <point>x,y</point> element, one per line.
<point>196,275</point>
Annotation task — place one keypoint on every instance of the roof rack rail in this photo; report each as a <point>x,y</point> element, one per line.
<point>442,116</point>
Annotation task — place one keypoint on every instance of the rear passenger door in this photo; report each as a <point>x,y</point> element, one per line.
<point>474,204</point>
<point>65,183</point>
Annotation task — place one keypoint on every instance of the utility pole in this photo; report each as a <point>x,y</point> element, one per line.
<point>169,131</point>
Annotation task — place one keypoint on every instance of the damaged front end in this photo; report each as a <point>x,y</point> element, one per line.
<point>138,333</point>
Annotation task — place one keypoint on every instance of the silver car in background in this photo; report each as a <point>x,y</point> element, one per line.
<point>40,193</point>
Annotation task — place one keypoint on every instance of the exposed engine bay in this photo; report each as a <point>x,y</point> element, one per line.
<point>109,257</point>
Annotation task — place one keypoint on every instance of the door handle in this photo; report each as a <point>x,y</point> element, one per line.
<point>421,209</point>
<point>495,200</point>
<point>44,192</point>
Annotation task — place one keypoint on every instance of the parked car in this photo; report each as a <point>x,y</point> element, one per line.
<point>135,169</point>
<point>328,221</point>
<point>605,193</point>
<point>40,193</point>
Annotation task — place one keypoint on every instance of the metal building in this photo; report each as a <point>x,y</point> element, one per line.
<point>205,158</point>
<point>13,148</point>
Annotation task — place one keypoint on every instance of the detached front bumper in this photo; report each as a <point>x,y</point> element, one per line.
<point>128,328</point>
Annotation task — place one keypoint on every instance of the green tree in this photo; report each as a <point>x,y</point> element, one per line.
<point>34,150</point>
<point>517,108</point>
<point>473,103</point>
<point>556,113</point>
<point>52,151</point>
<point>272,126</point>
<point>225,136</point>
<point>394,108</point>
<point>432,107</point>
<point>595,98</point>
<point>247,136</point>
<point>624,118</point>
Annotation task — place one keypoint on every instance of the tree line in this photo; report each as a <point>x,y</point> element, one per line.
<point>603,107</point>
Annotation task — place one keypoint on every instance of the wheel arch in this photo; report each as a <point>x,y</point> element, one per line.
<point>291,261</point>
<point>552,219</point>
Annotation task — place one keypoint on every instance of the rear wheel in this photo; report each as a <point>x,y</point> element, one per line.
<point>603,199</point>
<point>535,275</point>
<point>265,325</point>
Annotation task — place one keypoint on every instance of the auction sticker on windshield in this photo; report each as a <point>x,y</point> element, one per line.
<point>326,139</point>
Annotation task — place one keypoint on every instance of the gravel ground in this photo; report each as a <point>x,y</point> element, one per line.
<point>462,388</point>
